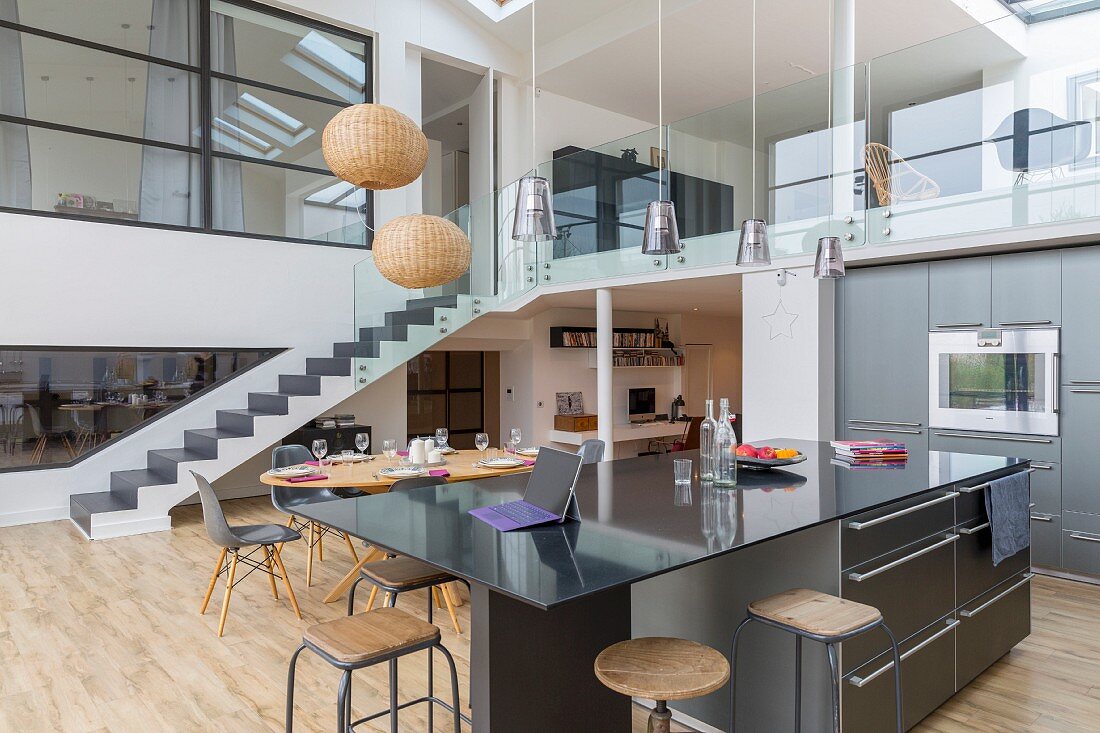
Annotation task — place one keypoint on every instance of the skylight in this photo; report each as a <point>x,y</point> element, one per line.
<point>1035,11</point>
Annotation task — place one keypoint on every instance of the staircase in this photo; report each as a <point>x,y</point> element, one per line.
<point>138,500</point>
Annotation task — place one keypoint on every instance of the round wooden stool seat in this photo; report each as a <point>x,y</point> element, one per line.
<point>662,668</point>
<point>816,613</point>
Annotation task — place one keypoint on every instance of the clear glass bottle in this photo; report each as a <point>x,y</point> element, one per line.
<point>706,444</point>
<point>725,443</point>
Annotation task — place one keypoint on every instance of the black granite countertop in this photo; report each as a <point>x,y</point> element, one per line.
<point>634,524</point>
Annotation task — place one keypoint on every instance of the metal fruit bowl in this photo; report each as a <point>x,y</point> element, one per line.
<point>763,464</point>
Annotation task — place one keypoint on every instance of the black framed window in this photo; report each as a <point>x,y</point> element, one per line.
<point>196,114</point>
<point>446,389</point>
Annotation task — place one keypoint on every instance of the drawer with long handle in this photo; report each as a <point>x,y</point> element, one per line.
<point>971,503</point>
<point>927,678</point>
<point>881,531</point>
<point>975,573</point>
<point>1046,539</point>
<point>1046,448</point>
<point>888,584</point>
<point>1081,542</point>
<point>990,625</point>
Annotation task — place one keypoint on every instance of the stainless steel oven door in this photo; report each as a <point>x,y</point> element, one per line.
<point>1007,385</point>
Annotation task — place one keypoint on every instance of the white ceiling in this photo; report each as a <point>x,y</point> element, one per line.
<point>604,51</point>
<point>444,87</point>
<point>452,130</point>
<point>718,295</point>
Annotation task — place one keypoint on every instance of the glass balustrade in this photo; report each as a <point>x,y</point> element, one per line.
<point>58,404</point>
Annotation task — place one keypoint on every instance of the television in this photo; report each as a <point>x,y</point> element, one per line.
<point>642,404</point>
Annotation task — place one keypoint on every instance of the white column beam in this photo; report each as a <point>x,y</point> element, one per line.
<point>605,372</point>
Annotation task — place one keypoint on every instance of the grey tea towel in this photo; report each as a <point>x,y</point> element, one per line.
<point>1007,504</point>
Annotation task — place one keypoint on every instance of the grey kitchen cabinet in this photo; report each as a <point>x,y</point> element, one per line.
<point>960,293</point>
<point>1080,418</point>
<point>1027,289</point>
<point>1081,542</point>
<point>882,359</point>
<point>1080,315</point>
<point>1046,539</point>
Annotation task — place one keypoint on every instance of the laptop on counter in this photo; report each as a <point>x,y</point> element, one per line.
<point>550,495</point>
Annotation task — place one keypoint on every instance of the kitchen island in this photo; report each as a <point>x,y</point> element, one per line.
<point>647,561</point>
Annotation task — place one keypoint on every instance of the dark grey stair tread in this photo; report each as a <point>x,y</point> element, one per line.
<point>300,384</point>
<point>250,413</point>
<point>217,433</point>
<point>181,455</point>
<point>142,477</point>
<point>277,394</point>
<point>361,349</point>
<point>418,317</point>
<point>329,366</point>
<point>397,332</point>
<point>100,502</point>
<point>438,301</point>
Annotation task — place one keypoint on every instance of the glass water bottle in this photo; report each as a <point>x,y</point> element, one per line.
<point>725,443</point>
<point>706,444</point>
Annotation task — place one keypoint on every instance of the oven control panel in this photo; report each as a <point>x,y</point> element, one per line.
<point>989,337</point>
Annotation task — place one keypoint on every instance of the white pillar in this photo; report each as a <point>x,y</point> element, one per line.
<point>845,79</point>
<point>605,372</point>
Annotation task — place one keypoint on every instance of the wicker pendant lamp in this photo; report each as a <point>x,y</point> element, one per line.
<point>421,251</point>
<point>374,146</point>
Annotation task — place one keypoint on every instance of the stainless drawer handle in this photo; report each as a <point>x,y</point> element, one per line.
<point>862,681</point>
<point>1085,537</point>
<point>1025,323</point>
<point>994,599</point>
<point>860,577</point>
<point>959,325</point>
<point>995,437</point>
<point>1085,391</point>
<point>886,518</point>
<point>1084,381</point>
<point>1042,517</point>
<point>974,530</point>
<point>887,430</point>
<point>1042,467</point>
<point>979,487</point>
<point>886,422</point>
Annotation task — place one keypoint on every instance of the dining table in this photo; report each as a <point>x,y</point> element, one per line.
<point>462,465</point>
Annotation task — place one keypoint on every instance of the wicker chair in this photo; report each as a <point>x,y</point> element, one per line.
<point>894,178</point>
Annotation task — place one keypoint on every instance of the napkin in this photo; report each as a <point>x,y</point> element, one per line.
<point>313,463</point>
<point>528,463</point>
<point>403,453</point>
<point>311,477</point>
<point>439,472</point>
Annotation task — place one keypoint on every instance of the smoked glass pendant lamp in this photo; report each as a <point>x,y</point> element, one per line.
<point>661,235</point>
<point>534,219</point>
<point>753,250</point>
<point>829,262</point>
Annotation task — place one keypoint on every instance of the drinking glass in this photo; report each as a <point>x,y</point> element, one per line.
<point>362,442</point>
<point>389,449</point>
<point>515,438</point>
<point>481,442</point>
<point>346,456</point>
<point>681,469</point>
<point>441,438</point>
<point>320,448</point>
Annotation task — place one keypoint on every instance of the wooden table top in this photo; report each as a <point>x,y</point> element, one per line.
<point>363,475</point>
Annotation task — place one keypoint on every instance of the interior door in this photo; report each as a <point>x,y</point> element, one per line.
<point>697,378</point>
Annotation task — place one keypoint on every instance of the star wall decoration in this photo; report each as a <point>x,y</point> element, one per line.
<point>780,322</point>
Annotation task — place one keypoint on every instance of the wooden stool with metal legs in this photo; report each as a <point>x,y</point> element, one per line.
<point>367,639</point>
<point>819,617</point>
<point>401,575</point>
<point>661,669</point>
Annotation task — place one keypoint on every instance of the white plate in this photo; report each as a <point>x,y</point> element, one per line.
<point>357,458</point>
<point>292,471</point>
<point>501,463</point>
<point>447,451</point>
<point>440,462</point>
<point>402,472</point>
<point>529,452</point>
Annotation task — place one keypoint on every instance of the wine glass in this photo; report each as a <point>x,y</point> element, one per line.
<point>441,438</point>
<point>320,448</point>
<point>389,449</point>
<point>481,442</point>
<point>362,442</point>
<point>515,438</point>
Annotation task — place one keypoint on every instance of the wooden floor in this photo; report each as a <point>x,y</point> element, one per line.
<point>106,636</point>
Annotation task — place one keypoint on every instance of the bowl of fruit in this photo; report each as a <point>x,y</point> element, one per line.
<point>765,456</point>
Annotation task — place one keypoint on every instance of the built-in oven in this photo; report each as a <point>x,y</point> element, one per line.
<point>996,380</point>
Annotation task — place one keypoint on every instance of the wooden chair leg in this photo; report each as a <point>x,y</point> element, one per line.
<point>373,597</point>
<point>271,570</point>
<point>228,592</point>
<point>341,588</point>
<point>309,557</point>
<point>286,582</point>
<point>289,523</point>
<point>451,609</point>
<point>321,544</point>
<point>351,547</point>
<point>213,581</point>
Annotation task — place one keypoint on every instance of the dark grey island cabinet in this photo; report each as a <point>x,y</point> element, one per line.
<point>883,321</point>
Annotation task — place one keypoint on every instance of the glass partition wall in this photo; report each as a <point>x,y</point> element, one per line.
<point>56,404</point>
<point>193,114</point>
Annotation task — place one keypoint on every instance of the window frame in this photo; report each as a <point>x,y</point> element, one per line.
<point>204,150</point>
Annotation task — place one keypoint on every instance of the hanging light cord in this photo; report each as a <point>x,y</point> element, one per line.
<point>753,151</point>
<point>534,94</point>
<point>829,101</point>
<point>662,142</point>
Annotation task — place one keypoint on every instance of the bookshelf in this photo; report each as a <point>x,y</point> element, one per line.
<point>634,348</point>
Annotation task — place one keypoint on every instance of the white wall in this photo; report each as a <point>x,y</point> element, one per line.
<point>788,382</point>
<point>723,333</point>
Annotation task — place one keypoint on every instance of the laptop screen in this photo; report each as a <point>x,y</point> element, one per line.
<point>553,479</point>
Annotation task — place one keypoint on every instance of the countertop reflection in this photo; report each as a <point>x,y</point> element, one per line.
<point>635,523</point>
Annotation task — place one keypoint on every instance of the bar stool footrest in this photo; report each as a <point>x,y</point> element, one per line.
<point>418,701</point>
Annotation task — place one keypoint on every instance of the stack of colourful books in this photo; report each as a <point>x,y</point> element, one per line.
<point>870,453</point>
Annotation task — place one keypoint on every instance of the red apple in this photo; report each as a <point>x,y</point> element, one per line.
<point>766,452</point>
<point>747,450</point>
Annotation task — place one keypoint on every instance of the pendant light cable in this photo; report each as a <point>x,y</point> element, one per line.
<point>662,142</point>
<point>534,95</point>
<point>829,115</point>
<point>753,152</point>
